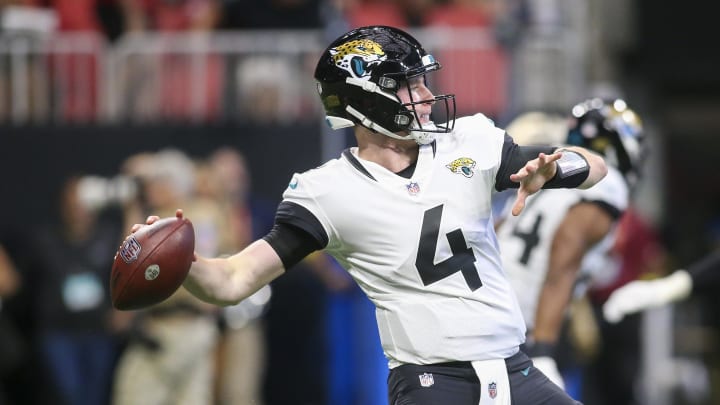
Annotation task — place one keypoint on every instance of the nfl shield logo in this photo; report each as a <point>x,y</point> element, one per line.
<point>426,380</point>
<point>413,188</point>
<point>130,250</point>
<point>492,390</point>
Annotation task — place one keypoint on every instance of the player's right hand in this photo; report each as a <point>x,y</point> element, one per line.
<point>532,177</point>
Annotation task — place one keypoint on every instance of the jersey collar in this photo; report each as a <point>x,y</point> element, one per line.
<point>356,163</point>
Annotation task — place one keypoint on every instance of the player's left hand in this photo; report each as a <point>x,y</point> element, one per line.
<point>532,177</point>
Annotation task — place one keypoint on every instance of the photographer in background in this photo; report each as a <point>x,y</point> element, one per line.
<point>73,310</point>
<point>169,354</point>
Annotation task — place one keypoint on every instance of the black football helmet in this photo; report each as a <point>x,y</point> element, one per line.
<point>612,129</point>
<point>359,75</point>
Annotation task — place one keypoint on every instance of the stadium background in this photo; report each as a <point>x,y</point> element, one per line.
<point>83,113</point>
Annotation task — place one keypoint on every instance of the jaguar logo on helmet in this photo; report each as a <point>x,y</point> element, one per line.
<point>358,56</point>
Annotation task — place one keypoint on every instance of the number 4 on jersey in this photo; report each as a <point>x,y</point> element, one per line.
<point>531,239</point>
<point>462,259</point>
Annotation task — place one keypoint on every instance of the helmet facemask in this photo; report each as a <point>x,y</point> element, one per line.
<point>443,109</point>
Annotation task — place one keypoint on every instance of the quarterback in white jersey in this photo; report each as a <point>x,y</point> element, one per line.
<point>426,255</point>
<point>564,237</point>
<point>408,214</point>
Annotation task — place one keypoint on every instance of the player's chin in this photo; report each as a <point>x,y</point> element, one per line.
<point>424,119</point>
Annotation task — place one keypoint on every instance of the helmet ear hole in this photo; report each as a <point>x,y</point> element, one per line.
<point>404,119</point>
<point>388,83</point>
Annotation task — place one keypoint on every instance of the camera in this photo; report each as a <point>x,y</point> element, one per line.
<point>97,192</point>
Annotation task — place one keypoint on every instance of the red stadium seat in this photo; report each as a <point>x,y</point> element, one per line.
<point>477,77</point>
<point>375,13</point>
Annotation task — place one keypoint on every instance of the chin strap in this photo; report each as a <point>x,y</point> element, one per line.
<point>421,137</point>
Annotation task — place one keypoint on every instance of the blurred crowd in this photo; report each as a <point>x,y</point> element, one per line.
<point>60,330</point>
<point>115,17</point>
<point>165,79</point>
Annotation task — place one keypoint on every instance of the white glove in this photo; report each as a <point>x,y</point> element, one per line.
<point>639,295</point>
<point>547,365</point>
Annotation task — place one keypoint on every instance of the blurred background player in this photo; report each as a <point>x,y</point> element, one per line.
<point>241,350</point>
<point>563,236</point>
<point>616,131</point>
<point>169,357</point>
<point>71,298</point>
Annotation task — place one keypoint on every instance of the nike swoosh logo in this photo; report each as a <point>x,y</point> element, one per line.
<point>525,372</point>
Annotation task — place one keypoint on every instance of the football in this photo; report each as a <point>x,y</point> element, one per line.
<point>152,263</point>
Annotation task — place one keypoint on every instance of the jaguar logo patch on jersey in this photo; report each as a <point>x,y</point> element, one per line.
<point>358,56</point>
<point>492,389</point>
<point>426,380</point>
<point>462,166</point>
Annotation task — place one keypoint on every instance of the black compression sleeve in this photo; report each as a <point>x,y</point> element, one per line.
<point>706,274</point>
<point>300,217</point>
<point>296,233</point>
<point>291,243</point>
<point>514,157</point>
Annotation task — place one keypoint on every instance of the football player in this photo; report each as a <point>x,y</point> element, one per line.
<point>551,251</point>
<point>408,214</point>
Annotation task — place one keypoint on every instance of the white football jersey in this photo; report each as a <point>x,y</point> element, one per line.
<point>525,240</point>
<point>423,249</point>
